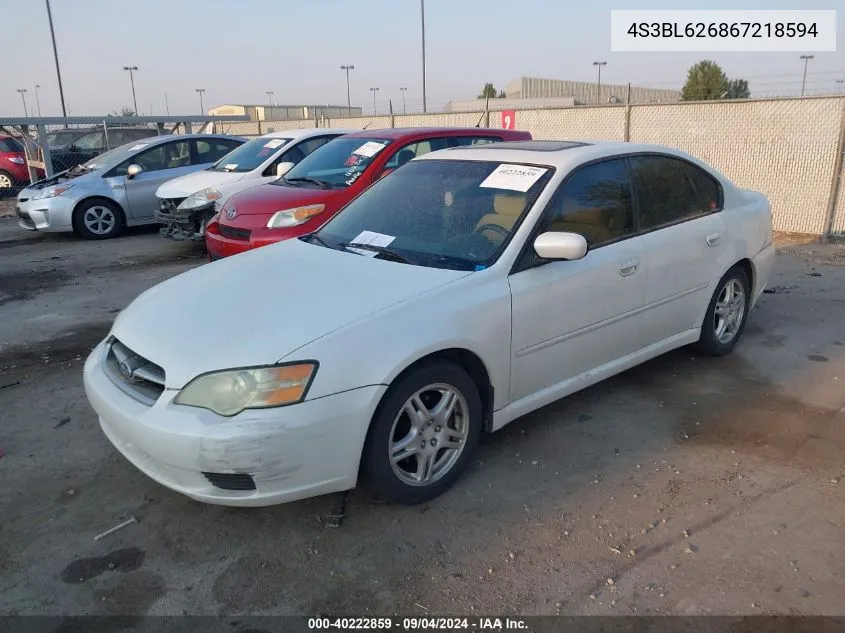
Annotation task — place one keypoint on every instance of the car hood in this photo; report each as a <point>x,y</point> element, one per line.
<point>184,186</point>
<point>270,198</point>
<point>260,306</point>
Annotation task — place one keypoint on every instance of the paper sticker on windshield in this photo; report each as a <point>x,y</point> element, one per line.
<point>513,177</point>
<point>370,238</point>
<point>139,146</point>
<point>276,142</point>
<point>230,166</point>
<point>369,149</point>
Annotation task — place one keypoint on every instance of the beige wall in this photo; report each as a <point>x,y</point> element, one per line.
<point>785,148</point>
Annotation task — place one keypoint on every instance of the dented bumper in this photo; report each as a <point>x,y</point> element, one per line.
<point>290,453</point>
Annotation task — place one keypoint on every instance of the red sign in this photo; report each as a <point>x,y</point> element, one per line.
<point>509,120</point>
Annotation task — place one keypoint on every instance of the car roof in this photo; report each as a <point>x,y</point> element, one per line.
<point>395,133</point>
<point>559,154</point>
<point>307,132</point>
<point>154,139</point>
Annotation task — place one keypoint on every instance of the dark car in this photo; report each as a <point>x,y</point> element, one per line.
<point>69,148</point>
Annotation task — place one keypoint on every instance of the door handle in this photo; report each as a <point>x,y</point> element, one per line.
<point>629,267</point>
<point>713,239</point>
<point>118,186</point>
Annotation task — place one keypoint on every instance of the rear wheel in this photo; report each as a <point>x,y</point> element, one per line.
<point>726,314</point>
<point>98,219</point>
<point>6,181</point>
<point>424,434</point>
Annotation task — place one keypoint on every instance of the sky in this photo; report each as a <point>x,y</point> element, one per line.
<point>239,50</point>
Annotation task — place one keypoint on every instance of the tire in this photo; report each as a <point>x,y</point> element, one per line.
<point>6,182</point>
<point>98,219</point>
<point>726,314</point>
<point>398,480</point>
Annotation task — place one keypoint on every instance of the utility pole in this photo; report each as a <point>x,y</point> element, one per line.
<point>131,70</point>
<point>403,90</point>
<point>200,91</point>
<point>422,15</point>
<point>22,91</point>
<point>806,59</point>
<point>270,94</point>
<point>599,65</point>
<point>56,57</point>
<point>37,100</point>
<point>166,104</point>
<point>374,91</point>
<point>348,98</point>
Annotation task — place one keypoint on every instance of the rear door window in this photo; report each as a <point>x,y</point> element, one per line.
<point>211,150</point>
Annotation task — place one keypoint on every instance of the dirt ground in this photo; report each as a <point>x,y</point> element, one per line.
<point>684,486</point>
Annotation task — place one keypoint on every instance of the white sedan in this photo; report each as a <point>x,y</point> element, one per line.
<point>461,292</point>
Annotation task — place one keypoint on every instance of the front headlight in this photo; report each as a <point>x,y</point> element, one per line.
<point>229,392</point>
<point>294,217</point>
<point>199,199</point>
<point>52,192</point>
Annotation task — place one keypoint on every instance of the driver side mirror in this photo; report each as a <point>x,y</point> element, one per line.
<point>565,246</point>
<point>283,168</point>
<point>133,170</point>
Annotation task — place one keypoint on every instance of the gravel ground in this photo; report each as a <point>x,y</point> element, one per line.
<point>684,486</point>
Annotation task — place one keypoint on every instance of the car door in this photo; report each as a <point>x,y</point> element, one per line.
<point>571,317</point>
<point>160,164</point>
<point>684,233</point>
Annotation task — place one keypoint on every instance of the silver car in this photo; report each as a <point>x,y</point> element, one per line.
<point>117,189</point>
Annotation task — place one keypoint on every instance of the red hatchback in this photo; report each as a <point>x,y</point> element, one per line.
<point>325,181</point>
<point>13,169</point>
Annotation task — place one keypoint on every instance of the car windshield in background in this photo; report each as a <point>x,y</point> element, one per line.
<point>8,144</point>
<point>336,165</point>
<point>250,155</point>
<point>60,139</point>
<point>438,213</point>
<point>115,156</point>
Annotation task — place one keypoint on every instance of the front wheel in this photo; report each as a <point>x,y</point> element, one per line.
<point>423,434</point>
<point>98,219</point>
<point>726,314</point>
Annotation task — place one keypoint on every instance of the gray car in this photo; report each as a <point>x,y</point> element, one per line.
<point>117,189</point>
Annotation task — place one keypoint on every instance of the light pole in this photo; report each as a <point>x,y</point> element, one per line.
<point>599,65</point>
<point>403,90</point>
<point>270,94</point>
<point>374,91</point>
<point>37,100</point>
<point>23,98</point>
<point>806,59</point>
<point>131,70</point>
<point>56,57</point>
<point>422,16</point>
<point>200,91</point>
<point>166,104</point>
<point>348,98</point>
<point>839,83</point>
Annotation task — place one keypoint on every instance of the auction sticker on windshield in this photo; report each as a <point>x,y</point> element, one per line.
<point>370,238</point>
<point>139,146</point>
<point>514,177</point>
<point>369,149</point>
<point>276,142</point>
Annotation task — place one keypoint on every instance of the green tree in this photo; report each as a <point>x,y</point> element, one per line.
<point>705,80</point>
<point>489,92</point>
<point>738,89</point>
<point>125,111</point>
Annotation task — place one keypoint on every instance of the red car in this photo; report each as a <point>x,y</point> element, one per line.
<point>13,169</point>
<point>325,181</point>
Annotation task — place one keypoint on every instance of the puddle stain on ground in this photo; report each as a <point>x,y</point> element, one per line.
<point>122,560</point>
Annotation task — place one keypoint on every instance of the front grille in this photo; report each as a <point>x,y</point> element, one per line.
<point>231,481</point>
<point>233,232</point>
<point>169,205</point>
<point>134,374</point>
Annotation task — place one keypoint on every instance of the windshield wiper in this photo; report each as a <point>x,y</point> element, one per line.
<point>381,250</point>
<point>320,183</point>
<point>316,238</point>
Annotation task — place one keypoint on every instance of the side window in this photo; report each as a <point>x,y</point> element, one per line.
<point>595,202</point>
<point>666,192</point>
<point>211,150</point>
<point>165,156</point>
<point>313,143</point>
<point>412,150</point>
<point>92,141</point>
<point>472,140</point>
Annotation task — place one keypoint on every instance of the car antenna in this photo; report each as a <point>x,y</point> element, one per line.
<point>486,109</point>
<point>368,125</point>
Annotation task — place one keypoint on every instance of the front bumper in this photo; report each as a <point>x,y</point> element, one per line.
<point>48,214</point>
<point>220,245</point>
<point>183,225</point>
<point>291,453</point>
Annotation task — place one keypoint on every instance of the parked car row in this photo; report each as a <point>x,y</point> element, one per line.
<point>414,289</point>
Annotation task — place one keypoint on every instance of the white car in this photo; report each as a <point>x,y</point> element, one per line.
<point>468,288</point>
<point>187,203</point>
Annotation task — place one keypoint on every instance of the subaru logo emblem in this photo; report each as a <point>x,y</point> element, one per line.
<point>232,213</point>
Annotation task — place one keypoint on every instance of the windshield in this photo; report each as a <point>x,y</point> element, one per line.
<point>115,156</point>
<point>438,213</point>
<point>337,164</point>
<point>250,155</point>
<point>60,139</point>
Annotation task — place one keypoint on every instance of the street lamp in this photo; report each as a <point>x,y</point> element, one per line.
<point>403,90</point>
<point>56,57</point>
<point>270,94</point>
<point>806,59</point>
<point>599,65</point>
<point>422,16</point>
<point>348,98</point>
<point>37,100</point>
<point>23,98</point>
<point>131,70</point>
<point>374,91</point>
<point>200,91</point>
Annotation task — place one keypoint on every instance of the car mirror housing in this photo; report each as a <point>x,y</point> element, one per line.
<point>133,170</point>
<point>283,168</point>
<point>559,245</point>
